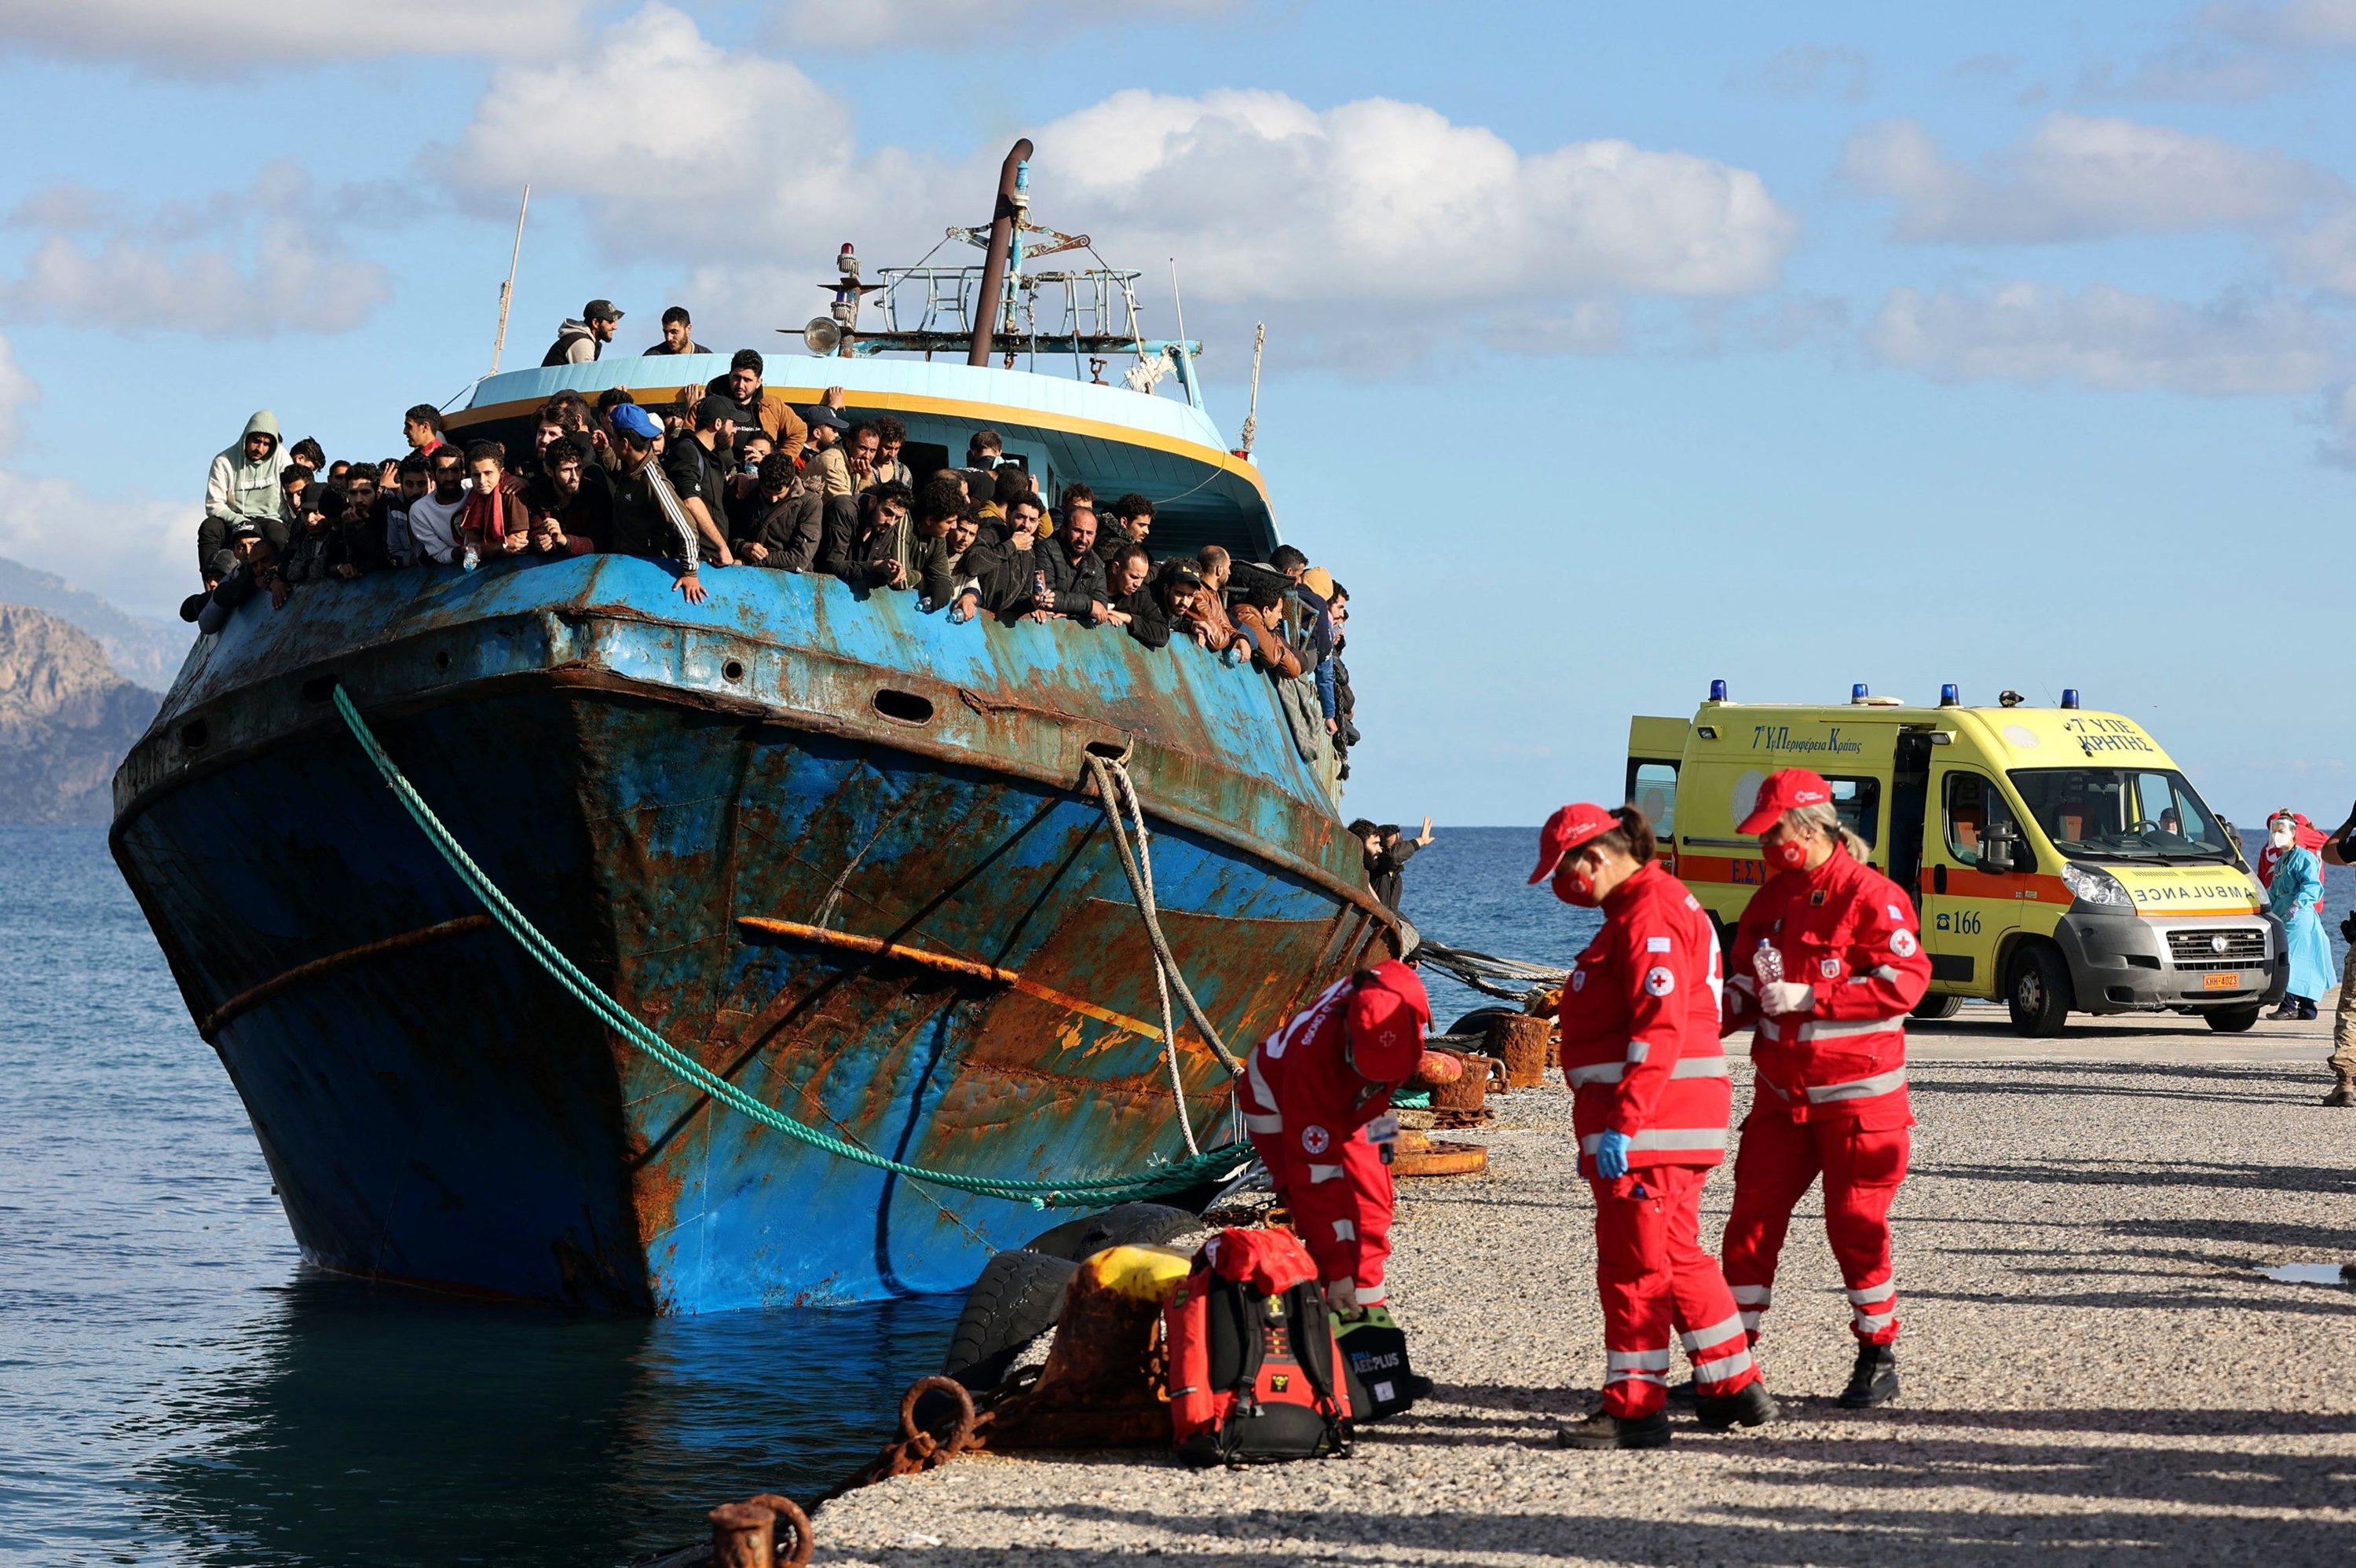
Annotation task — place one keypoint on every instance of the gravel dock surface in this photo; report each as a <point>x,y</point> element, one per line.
<point>2094,1370</point>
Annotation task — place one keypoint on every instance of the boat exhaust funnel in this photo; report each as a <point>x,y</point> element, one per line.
<point>1001,242</point>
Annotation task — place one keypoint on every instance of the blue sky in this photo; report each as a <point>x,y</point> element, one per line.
<point>1610,350</point>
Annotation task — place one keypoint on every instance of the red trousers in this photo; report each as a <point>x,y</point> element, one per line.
<point>1341,1211</point>
<point>1778,1159</point>
<point>1653,1276</point>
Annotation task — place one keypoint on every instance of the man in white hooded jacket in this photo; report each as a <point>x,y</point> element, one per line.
<point>241,494</point>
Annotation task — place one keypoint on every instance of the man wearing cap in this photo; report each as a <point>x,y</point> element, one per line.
<point>1650,1103</point>
<point>649,521</point>
<point>1828,962</point>
<point>581,340</point>
<point>1310,1090</point>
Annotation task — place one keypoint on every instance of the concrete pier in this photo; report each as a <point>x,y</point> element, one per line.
<point>2096,1371</point>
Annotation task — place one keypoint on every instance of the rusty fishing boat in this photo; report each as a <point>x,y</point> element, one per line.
<point>858,869</point>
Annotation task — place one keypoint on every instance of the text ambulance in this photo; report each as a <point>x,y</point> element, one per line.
<point>2058,857</point>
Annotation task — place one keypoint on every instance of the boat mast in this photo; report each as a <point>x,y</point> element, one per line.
<point>506,290</point>
<point>1002,244</point>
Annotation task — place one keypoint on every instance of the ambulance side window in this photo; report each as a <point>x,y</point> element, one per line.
<point>1859,802</point>
<point>1973,806</point>
<point>1653,790</point>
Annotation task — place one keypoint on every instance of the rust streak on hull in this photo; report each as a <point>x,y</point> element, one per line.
<point>253,997</point>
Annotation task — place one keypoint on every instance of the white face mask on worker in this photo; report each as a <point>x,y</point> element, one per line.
<point>2281,835</point>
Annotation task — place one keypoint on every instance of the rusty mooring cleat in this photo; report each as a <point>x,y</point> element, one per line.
<point>1416,1155</point>
<point>1101,1387</point>
<point>1525,1045</point>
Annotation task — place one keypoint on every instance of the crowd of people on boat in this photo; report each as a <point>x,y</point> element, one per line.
<point>727,473</point>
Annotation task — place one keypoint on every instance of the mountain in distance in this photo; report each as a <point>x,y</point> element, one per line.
<point>143,649</point>
<point>66,720</point>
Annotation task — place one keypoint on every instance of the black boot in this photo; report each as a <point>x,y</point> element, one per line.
<point>1753,1406</point>
<point>1603,1430</point>
<point>1874,1381</point>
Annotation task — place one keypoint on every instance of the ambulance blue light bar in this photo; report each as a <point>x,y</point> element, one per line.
<point>2069,697</point>
<point>1717,691</point>
<point>1950,695</point>
<point>1858,693</point>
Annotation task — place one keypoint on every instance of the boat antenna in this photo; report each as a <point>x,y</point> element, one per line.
<point>1002,219</point>
<point>1251,415</point>
<point>506,290</point>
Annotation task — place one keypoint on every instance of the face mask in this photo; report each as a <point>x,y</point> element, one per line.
<point>2281,835</point>
<point>1572,885</point>
<point>1790,855</point>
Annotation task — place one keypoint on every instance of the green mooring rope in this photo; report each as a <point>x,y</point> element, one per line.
<point>1163,1178</point>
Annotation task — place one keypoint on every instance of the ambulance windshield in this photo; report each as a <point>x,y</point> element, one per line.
<point>2122,814</point>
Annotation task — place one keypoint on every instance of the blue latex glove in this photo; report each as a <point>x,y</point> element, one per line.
<point>1611,1155</point>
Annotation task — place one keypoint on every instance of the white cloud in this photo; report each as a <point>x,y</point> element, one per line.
<point>2079,178</point>
<point>1371,218</point>
<point>2105,339</point>
<point>137,551</point>
<point>246,264</point>
<point>220,38</point>
<point>18,393</point>
<point>860,24</point>
<point>2195,71</point>
<point>2301,24</point>
<point>2323,255</point>
<point>1814,70</point>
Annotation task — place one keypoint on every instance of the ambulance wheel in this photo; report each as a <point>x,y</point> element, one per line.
<point>1938,1006</point>
<point>2038,991</point>
<point>1017,1299</point>
<point>2231,1020</point>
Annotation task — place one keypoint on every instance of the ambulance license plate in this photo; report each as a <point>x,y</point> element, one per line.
<point>2221,980</point>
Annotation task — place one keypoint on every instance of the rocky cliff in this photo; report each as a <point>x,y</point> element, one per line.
<point>143,650</point>
<point>66,720</point>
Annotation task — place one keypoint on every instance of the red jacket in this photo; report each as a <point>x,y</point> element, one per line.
<point>1640,1037</point>
<point>1304,1105</point>
<point>1851,935</point>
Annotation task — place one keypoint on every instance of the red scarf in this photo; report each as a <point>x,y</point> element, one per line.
<point>485,516</point>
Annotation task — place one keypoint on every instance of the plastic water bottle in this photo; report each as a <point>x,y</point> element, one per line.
<point>472,558</point>
<point>1767,964</point>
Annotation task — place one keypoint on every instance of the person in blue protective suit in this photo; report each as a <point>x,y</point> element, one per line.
<point>2291,896</point>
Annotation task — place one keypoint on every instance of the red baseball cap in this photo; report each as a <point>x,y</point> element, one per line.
<point>1565,830</point>
<point>1782,791</point>
<point>1387,1015</point>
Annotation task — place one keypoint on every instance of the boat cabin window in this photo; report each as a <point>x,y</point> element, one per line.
<point>1975,806</point>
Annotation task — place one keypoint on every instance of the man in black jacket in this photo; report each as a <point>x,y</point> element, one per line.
<point>781,528</point>
<point>1134,606</point>
<point>1075,574</point>
<point>1386,855</point>
<point>1003,570</point>
<point>873,551</point>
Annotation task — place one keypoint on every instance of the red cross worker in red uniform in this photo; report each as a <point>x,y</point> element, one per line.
<point>1309,1091</point>
<point>1828,962</point>
<point>1650,1097</point>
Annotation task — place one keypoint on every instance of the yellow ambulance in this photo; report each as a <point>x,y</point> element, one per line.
<point>2060,861</point>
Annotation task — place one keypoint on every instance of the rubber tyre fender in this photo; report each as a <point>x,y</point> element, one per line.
<point>1017,1299</point>
<point>2037,990</point>
<point>1937,1008</point>
<point>1476,1022</point>
<point>1123,1225</point>
<point>2232,1020</point>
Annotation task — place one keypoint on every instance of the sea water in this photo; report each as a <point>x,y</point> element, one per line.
<point>176,1386</point>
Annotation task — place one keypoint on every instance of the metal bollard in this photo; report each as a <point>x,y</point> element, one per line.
<point>790,1516</point>
<point>743,1535</point>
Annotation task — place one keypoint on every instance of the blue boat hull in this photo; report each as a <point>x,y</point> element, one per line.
<point>717,816</point>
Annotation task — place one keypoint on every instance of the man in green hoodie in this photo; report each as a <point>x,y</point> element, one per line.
<point>241,491</point>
